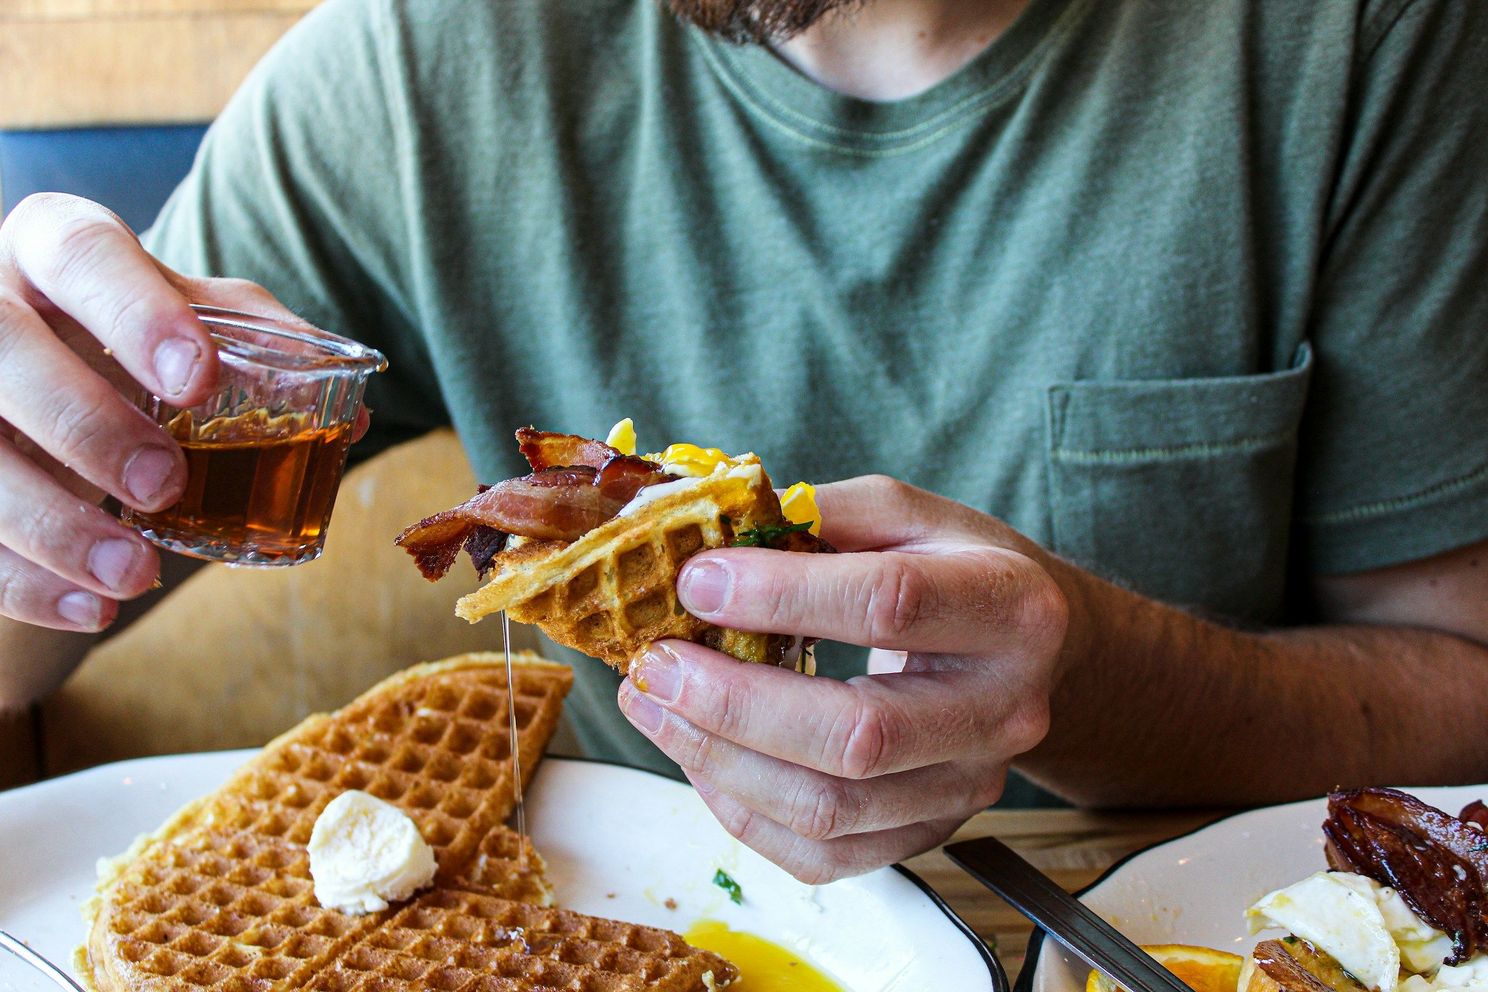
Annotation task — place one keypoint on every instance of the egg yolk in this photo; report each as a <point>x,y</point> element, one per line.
<point>691,460</point>
<point>798,503</point>
<point>764,966</point>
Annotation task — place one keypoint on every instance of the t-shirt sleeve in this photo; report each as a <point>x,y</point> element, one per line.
<point>299,186</point>
<point>1394,449</point>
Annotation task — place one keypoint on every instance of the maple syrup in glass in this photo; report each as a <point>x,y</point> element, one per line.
<point>265,453</point>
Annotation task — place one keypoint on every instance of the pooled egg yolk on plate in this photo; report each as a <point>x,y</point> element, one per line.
<point>764,966</point>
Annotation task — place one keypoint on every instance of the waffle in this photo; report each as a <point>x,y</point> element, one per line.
<point>220,898</point>
<point>614,590</point>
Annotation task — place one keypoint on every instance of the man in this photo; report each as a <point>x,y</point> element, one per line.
<point>1183,303</point>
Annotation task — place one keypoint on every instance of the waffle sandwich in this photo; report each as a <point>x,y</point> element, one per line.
<point>589,546</point>
<point>221,899</point>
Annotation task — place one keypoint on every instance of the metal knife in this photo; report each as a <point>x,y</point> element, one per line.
<point>1061,915</point>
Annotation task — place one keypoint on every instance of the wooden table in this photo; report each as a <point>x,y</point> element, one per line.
<point>1071,846</point>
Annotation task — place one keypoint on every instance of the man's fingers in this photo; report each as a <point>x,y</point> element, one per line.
<point>974,600</point>
<point>89,265</point>
<point>51,395</point>
<point>865,728</point>
<point>31,594</point>
<point>66,535</point>
<point>813,804</point>
<point>875,511</point>
<point>817,862</point>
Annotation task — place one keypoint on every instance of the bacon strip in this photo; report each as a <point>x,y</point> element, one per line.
<point>1437,862</point>
<point>545,449</point>
<point>556,504</point>
<point>561,504</point>
<point>622,476</point>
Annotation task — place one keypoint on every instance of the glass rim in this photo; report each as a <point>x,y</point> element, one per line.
<point>329,350</point>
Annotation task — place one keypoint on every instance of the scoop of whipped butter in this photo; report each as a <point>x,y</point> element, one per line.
<point>365,852</point>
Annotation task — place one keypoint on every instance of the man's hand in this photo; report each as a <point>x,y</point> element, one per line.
<point>831,779</point>
<point>86,318</point>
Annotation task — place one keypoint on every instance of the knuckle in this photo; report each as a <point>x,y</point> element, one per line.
<point>730,709</point>
<point>776,599</point>
<point>76,248</point>
<point>130,316</point>
<point>38,525</point>
<point>17,594</point>
<point>818,811</point>
<point>884,490</point>
<point>872,735</point>
<point>1027,725</point>
<point>1046,611</point>
<point>701,755</point>
<point>740,821</point>
<point>74,265</point>
<point>79,426</point>
<point>830,863</point>
<point>898,602</point>
<point>988,790</point>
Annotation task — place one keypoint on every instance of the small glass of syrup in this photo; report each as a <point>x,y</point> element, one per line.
<point>265,452</point>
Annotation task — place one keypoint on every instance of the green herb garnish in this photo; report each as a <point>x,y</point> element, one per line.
<point>764,537</point>
<point>723,881</point>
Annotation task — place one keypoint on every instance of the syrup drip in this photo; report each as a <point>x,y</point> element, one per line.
<point>516,758</point>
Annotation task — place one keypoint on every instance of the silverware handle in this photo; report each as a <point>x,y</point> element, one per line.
<point>18,947</point>
<point>1061,915</point>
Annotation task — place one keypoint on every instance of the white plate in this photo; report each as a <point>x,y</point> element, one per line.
<point>1195,889</point>
<point>618,843</point>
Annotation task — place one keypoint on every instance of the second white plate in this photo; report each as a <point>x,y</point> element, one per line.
<point>1195,889</point>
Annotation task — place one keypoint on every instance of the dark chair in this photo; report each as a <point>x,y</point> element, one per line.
<point>130,170</point>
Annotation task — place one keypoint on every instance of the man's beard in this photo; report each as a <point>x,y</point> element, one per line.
<point>756,21</point>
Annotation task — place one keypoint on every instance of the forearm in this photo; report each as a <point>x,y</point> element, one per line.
<point>36,661</point>
<point>1156,706</point>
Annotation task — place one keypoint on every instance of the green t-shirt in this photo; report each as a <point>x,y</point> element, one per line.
<point>1195,294</point>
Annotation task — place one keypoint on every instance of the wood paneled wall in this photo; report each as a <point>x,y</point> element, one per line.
<point>85,62</point>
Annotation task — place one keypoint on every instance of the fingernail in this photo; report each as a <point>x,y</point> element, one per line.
<point>704,587</point>
<point>111,560</point>
<point>658,676</point>
<point>642,711</point>
<point>81,608</point>
<point>174,362</point>
<point>146,474</point>
<point>704,788</point>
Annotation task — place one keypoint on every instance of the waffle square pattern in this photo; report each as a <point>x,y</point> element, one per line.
<point>614,590</point>
<point>220,898</point>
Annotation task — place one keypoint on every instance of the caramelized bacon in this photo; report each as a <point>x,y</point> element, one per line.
<point>545,449</point>
<point>622,476</point>
<point>1437,862</point>
<point>555,504</point>
<point>483,545</point>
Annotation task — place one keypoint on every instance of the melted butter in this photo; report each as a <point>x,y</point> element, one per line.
<point>764,966</point>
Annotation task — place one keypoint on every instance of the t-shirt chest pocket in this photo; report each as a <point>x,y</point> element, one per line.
<point>1180,489</point>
